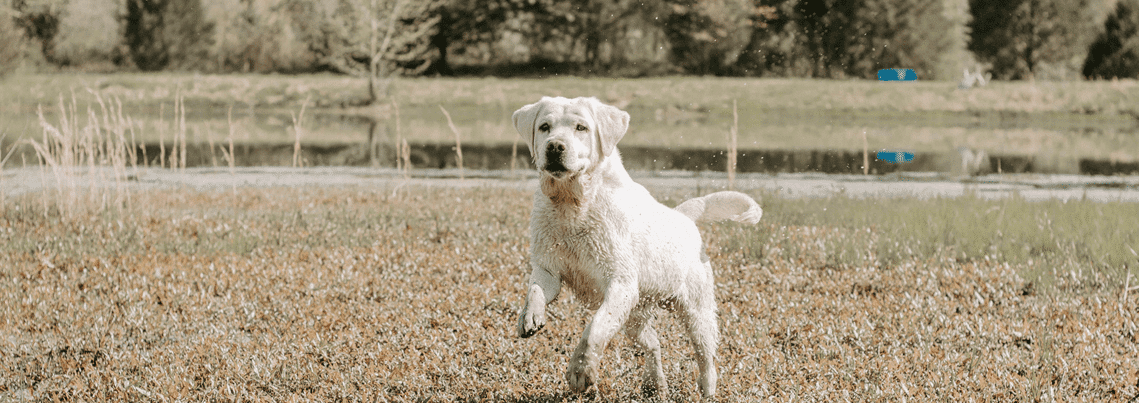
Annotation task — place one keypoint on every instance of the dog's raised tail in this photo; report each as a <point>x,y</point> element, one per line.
<point>719,206</point>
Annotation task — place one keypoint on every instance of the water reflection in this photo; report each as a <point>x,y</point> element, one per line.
<point>377,153</point>
<point>668,138</point>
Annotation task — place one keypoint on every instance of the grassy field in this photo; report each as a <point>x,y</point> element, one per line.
<point>411,294</point>
<point>329,91</point>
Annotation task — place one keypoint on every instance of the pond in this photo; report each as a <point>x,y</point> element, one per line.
<point>676,137</point>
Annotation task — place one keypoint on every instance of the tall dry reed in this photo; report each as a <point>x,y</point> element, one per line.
<point>88,163</point>
<point>162,135</point>
<point>210,143</point>
<point>228,155</point>
<point>404,158</point>
<point>865,154</point>
<point>180,110</point>
<point>298,123</point>
<point>733,145</point>
<point>458,141</point>
<point>3,161</point>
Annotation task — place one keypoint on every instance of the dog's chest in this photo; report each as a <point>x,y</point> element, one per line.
<point>582,250</point>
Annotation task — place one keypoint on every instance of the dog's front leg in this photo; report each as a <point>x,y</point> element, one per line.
<point>620,297</point>
<point>543,289</point>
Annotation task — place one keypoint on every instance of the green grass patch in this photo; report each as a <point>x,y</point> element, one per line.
<point>329,91</point>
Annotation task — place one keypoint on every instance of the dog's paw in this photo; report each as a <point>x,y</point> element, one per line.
<point>580,374</point>
<point>531,321</point>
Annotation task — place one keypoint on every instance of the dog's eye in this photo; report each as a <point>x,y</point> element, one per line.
<point>544,127</point>
<point>581,128</point>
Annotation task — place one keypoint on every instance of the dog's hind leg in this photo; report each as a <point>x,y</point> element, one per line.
<point>700,318</point>
<point>640,329</point>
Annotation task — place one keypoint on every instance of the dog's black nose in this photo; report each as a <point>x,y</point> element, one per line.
<point>555,147</point>
<point>554,150</point>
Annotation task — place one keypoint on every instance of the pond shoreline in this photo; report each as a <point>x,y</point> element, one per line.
<point>920,185</point>
<point>504,156</point>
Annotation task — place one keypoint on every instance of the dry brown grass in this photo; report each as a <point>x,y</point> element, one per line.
<point>323,294</point>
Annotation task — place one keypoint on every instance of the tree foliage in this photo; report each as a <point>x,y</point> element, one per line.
<point>597,35</point>
<point>165,34</point>
<point>89,32</point>
<point>255,36</point>
<point>1018,39</point>
<point>831,38</point>
<point>707,36</point>
<point>39,19</point>
<point>901,34</point>
<point>341,33</point>
<point>11,41</point>
<point>1115,52</point>
<point>465,25</point>
<point>1027,38</point>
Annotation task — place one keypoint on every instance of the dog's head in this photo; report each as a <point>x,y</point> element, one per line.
<point>568,136</point>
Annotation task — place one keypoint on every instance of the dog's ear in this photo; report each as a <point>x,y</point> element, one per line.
<point>524,121</point>
<point>612,123</point>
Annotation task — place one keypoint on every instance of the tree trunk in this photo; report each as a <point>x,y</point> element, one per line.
<point>375,69</point>
<point>441,41</point>
<point>372,36</point>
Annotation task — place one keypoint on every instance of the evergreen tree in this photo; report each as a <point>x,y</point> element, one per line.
<point>1025,38</point>
<point>581,32</point>
<point>915,34</point>
<point>829,38</point>
<point>167,34</point>
<point>774,48</point>
<point>1115,52</point>
<point>707,36</point>
<point>468,26</point>
<point>39,19</point>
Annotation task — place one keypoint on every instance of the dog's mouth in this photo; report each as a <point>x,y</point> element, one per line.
<point>556,169</point>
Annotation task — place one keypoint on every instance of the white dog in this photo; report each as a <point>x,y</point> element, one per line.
<point>619,250</point>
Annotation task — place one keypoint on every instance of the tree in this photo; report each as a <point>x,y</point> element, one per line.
<point>471,24</point>
<point>264,35</point>
<point>807,38</point>
<point>955,56</point>
<point>831,38</point>
<point>413,50</point>
<point>774,47</point>
<point>11,41</point>
<point>1021,38</point>
<point>911,34</point>
<point>373,39</point>
<point>578,30</point>
<point>707,36</point>
<point>89,32</point>
<point>39,20</point>
<point>826,26</point>
<point>167,33</point>
<point>1115,52</point>
<point>592,36</point>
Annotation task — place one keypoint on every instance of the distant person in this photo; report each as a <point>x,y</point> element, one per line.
<point>972,162</point>
<point>969,80</point>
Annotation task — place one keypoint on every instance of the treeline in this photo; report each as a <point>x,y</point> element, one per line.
<point>1013,39</point>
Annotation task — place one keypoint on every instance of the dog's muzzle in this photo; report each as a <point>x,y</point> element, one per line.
<point>554,164</point>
